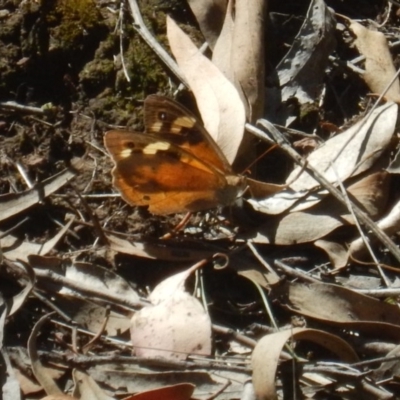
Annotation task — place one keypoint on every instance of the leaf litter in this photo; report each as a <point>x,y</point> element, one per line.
<point>298,284</point>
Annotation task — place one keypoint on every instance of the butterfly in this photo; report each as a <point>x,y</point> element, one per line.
<point>174,166</point>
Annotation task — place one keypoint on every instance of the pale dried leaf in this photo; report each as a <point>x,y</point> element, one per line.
<point>221,56</point>
<point>136,378</point>
<point>247,56</point>
<point>358,281</point>
<point>171,285</point>
<point>369,192</point>
<point>335,304</point>
<point>351,152</point>
<point>261,190</point>
<point>172,329</point>
<point>18,300</point>
<point>87,313</point>
<point>379,67</point>
<point>347,154</point>
<point>299,227</point>
<point>337,253</point>
<point>28,383</point>
<point>175,326</point>
<point>100,278</point>
<point>388,368</point>
<point>14,249</point>
<point>218,101</point>
<point>265,357</point>
<point>157,250</point>
<point>47,382</point>
<point>86,274</point>
<point>87,388</point>
<point>9,383</point>
<point>210,16</point>
<point>390,224</point>
<point>394,167</point>
<point>14,203</point>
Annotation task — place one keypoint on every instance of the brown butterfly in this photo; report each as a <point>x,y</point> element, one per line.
<point>175,166</point>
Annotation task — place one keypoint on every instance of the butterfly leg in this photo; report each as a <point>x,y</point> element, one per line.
<point>182,224</point>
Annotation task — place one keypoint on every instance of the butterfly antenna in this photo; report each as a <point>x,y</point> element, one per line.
<point>260,157</point>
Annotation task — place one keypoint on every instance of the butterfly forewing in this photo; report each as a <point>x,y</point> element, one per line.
<point>174,123</point>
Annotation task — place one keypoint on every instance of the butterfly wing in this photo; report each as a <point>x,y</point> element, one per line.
<point>172,122</point>
<point>156,173</point>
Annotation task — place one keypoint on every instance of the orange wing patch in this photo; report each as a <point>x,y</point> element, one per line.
<point>175,166</point>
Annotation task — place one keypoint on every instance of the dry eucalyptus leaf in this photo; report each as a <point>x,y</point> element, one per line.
<point>28,383</point>
<point>337,253</point>
<point>218,101</point>
<point>369,192</point>
<point>175,325</point>
<point>222,52</point>
<point>137,379</point>
<point>247,56</point>
<point>87,388</point>
<point>351,152</point>
<point>390,224</point>
<point>47,382</point>
<point>302,226</point>
<point>172,329</point>
<point>9,384</point>
<point>335,304</point>
<point>388,368</point>
<point>302,70</point>
<point>100,278</point>
<point>18,300</point>
<point>87,313</point>
<point>239,53</point>
<point>261,190</point>
<point>347,154</point>
<point>87,275</point>
<point>154,250</point>
<point>14,203</point>
<point>379,67</point>
<point>14,249</point>
<point>394,167</point>
<point>265,357</point>
<point>210,16</point>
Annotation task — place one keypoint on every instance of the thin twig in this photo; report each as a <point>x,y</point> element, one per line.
<point>13,106</point>
<point>245,340</point>
<point>295,273</point>
<point>364,218</point>
<point>121,36</point>
<point>87,291</point>
<point>143,31</point>
<point>262,261</point>
<point>84,361</point>
<point>350,207</point>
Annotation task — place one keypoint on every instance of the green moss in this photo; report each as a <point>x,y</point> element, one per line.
<point>144,68</point>
<point>76,18</point>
